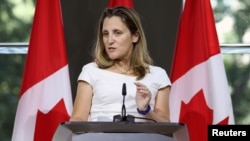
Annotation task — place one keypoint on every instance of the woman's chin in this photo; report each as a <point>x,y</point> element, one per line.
<point>113,57</point>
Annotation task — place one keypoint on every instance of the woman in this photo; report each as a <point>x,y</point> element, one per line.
<point>121,57</point>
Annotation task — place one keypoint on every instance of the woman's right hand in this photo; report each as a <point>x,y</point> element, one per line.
<point>143,96</point>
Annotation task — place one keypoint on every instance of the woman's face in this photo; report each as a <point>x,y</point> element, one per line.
<point>117,38</point>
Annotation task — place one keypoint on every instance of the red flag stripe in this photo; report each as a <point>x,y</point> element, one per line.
<point>45,95</point>
<point>204,45</point>
<point>199,94</point>
<point>127,3</point>
<point>46,52</point>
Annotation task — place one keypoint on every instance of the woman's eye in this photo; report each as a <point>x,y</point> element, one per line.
<point>118,32</point>
<point>104,33</point>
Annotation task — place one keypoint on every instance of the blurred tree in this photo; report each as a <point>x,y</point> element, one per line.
<point>13,28</point>
<point>237,65</point>
<point>242,18</point>
<point>10,81</point>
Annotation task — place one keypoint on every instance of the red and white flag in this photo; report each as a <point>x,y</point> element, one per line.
<point>200,94</point>
<point>45,96</point>
<point>127,3</point>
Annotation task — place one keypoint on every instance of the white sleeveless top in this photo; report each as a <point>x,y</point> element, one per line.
<point>107,90</point>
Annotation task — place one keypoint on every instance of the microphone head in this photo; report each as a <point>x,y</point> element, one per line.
<point>124,89</point>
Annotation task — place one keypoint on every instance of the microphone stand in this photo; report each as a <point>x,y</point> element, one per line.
<point>123,117</point>
<point>124,93</point>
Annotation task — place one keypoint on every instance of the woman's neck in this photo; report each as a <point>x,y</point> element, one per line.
<point>123,68</point>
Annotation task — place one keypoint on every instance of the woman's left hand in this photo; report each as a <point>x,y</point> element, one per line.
<point>143,96</point>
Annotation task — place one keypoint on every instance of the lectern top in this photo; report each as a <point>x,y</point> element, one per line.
<point>123,127</point>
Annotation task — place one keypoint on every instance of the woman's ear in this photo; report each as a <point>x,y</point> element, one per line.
<point>135,37</point>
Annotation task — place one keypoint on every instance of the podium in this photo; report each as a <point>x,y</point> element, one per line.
<point>120,131</point>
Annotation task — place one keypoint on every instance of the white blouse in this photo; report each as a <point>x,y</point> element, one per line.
<point>107,90</point>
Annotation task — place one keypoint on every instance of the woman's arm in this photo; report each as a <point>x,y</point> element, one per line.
<point>161,109</point>
<point>82,103</point>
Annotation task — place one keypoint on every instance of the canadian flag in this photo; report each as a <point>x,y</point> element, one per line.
<point>45,96</point>
<point>199,94</point>
<point>127,3</point>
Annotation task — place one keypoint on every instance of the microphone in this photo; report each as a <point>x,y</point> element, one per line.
<point>124,93</point>
<point>123,117</point>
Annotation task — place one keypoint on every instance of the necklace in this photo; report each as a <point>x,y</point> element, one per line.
<point>123,71</point>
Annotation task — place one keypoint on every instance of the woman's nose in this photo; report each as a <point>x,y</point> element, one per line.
<point>111,39</point>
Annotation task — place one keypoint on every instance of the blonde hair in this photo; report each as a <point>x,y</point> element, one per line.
<point>140,58</point>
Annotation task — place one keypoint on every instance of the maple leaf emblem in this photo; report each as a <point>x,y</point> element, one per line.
<point>197,116</point>
<point>46,124</point>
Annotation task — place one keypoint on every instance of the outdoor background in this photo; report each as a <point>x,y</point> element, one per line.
<point>233,28</point>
